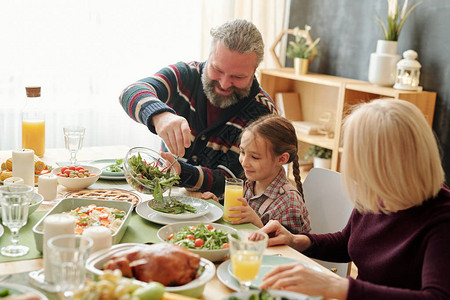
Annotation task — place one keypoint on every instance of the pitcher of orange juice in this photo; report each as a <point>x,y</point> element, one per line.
<point>33,122</point>
<point>234,188</point>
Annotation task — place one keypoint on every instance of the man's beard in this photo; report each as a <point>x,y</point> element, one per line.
<point>219,100</point>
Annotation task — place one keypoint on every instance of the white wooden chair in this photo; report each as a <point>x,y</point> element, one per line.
<point>329,207</point>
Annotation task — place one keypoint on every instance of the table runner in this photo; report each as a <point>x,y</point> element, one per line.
<point>139,230</point>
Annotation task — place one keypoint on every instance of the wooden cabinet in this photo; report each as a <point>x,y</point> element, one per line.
<point>331,95</point>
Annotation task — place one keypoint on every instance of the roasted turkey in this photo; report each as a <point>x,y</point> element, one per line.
<point>169,264</point>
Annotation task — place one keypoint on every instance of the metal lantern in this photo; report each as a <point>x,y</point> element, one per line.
<point>408,72</point>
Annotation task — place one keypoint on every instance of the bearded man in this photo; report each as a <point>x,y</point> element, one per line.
<point>200,108</point>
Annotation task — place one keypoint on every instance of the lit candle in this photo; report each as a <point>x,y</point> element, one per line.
<point>54,225</point>
<point>23,165</point>
<point>101,236</point>
<point>13,180</point>
<point>47,186</point>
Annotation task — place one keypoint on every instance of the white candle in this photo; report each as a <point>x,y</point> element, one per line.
<point>101,236</point>
<point>47,186</point>
<point>54,225</point>
<point>13,180</point>
<point>23,165</point>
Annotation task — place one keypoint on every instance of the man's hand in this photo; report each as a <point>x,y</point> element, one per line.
<point>174,130</point>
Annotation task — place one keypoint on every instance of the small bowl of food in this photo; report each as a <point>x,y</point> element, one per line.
<point>144,169</point>
<point>178,269</point>
<point>209,240</point>
<point>77,177</point>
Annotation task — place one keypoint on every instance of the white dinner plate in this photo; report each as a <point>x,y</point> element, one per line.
<point>102,163</point>
<point>17,289</point>
<point>202,208</point>
<point>224,272</point>
<point>144,211</point>
<point>285,294</point>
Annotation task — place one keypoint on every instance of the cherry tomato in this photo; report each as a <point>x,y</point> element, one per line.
<point>72,168</point>
<point>79,168</point>
<point>170,236</point>
<point>63,169</point>
<point>209,226</point>
<point>67,172</point>
<point>199,243</point>
<point>225,246</point>
<point>190,237</point>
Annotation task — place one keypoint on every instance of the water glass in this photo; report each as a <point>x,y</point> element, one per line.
<point>15,200</point>
<point>246,250</point>
<point>234,188</point>
<point>69,253</point>
<point>73,136</point>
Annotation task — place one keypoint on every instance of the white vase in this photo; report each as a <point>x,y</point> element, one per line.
<point>383,63</point>
<point>324,163</point>
<point>300,65</point>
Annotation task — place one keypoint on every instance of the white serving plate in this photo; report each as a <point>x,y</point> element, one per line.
<point>194,288</point>
<point>212,255</point>
<point>144,211</point>
<point>103,163</point>
<point>202,207</point>
<point>18,289</point>
<point>67,204</point>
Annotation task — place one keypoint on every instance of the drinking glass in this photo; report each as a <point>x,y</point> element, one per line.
<point>15,200</point>
<point>69,253</point>
<point>73,136</point>
<point>234,188</point>
<point>246,249</point>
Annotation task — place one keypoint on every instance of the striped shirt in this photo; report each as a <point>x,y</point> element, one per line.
<point>214,151</point>
<point>286,204</point>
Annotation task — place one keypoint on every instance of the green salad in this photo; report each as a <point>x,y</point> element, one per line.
<point>200,237</point>
<point>116,167</point>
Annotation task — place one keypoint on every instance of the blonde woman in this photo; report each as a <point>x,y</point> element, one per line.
<point>399,233</point>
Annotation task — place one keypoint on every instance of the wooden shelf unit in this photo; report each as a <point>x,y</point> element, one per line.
<point>319,93</point>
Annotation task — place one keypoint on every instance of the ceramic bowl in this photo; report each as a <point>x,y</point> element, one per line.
<point>133,177</point>
<point>78,183</point>
<point>194,288</point>
<point>212,255</point>
<point>36,200</point>
<point>68,204</point>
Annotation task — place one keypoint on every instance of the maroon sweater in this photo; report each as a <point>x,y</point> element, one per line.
<point>403,255</point>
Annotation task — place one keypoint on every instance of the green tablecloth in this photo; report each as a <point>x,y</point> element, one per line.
<point>139,231</point>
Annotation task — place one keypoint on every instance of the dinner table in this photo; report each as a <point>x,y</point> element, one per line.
<point>11,269</point>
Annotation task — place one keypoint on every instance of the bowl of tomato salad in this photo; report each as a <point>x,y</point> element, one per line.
<point>209,240</point>
<point>77,177</point>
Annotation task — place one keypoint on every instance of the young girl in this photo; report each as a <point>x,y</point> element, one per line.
<point>266,145</point>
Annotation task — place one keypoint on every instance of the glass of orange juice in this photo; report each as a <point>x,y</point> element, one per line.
<point>234,188</point>
<point>246,249</point>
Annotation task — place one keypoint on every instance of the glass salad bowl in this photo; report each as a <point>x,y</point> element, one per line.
<point>144,169</point>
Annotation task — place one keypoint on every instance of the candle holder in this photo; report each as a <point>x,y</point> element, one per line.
<point>408,72</point>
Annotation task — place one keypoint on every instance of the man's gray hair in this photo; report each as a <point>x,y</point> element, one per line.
<point>240,36</point>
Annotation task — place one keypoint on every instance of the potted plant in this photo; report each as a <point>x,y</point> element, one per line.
<point>301,49</point>
<point>322,156</point>
<point>383,62</point>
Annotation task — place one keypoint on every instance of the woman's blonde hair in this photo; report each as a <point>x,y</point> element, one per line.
<point>390,159</point>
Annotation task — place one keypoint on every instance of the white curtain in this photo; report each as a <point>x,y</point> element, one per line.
<point>84,52</point>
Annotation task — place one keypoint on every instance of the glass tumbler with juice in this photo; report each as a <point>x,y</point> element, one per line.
<point>234,188</point>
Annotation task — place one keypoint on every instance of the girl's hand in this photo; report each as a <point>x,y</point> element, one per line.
<point>246,215</point>
<point>169,160</point>
<point>297,277</point>
<point>209,195</point>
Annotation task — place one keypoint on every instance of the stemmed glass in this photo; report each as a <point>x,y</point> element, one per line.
<point>69,254</point>
<point>15,200</point>
<point>73,136</point>
<point>246,249</point>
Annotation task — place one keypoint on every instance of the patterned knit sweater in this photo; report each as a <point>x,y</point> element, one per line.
<point>214,151</point>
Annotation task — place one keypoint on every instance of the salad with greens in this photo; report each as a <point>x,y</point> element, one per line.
<point>200,237</point>
<point>116,167</point>
<point>147,177</point>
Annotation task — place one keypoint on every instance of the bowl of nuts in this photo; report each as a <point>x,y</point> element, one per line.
<point>77,177</point>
